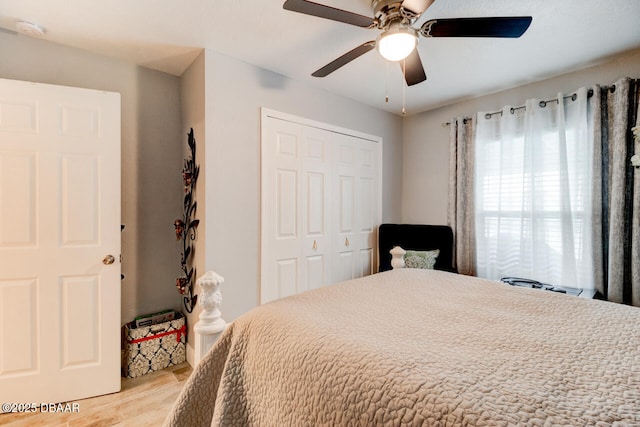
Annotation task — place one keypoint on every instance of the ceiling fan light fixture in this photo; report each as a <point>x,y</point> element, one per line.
<point>396,43</point>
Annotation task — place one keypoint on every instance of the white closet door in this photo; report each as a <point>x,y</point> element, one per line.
<point>320,201</point>
<point>316,207</point>
<point>344,220</point>
<point>297,217</point>
<point>356,216</point>
<point>282,187</point>
<point>367,207</point>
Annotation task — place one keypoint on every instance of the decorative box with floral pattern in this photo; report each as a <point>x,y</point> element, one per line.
<point>151,348</point>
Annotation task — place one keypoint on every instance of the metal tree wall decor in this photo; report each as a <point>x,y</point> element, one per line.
<point>186,227</point>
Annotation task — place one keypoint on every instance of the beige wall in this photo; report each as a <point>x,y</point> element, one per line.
<point>235,91</point>
<point>151,157</point>
<point>426,149</point>
<point>192,94</point>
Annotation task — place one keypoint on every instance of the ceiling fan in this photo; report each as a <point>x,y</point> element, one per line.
<point>398,39</point>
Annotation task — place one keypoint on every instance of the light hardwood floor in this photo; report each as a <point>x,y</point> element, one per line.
<point>143,401</point>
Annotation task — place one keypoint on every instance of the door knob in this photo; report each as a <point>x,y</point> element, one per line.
<point>315,246</point>
<point>108,260</point>
<point>346,241</point>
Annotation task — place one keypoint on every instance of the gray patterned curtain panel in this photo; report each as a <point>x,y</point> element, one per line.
<point>616,191</point>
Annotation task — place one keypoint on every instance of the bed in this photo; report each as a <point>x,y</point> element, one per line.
<point>421,347</point>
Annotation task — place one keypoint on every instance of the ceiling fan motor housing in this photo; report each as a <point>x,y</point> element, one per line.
<point>387,12</point>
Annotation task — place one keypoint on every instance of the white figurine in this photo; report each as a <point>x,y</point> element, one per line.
<point>397,257</point>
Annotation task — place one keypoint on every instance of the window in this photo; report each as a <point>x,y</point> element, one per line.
<point>533,194</point>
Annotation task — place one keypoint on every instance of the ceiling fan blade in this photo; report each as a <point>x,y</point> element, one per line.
<point>328,12</point>
<point>416,7</point>
<point>508,27</point>
<point>412,69</point>
<point>344,59</point>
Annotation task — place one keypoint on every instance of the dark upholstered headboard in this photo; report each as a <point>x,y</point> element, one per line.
<point>416,237</point>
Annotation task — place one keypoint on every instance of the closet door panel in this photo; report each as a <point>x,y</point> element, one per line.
<point>344,266</point>
<point>316,207</point>
<point>282,272</point>
<point>366,262</point>
<point>357,216</point>
<point>345,213</point>
<point>368,206</point>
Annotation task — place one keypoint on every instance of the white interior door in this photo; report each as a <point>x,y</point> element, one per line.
<point>59,222</point>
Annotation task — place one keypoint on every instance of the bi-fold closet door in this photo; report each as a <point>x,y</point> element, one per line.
<point>356,214</point>
<point>320,205</point>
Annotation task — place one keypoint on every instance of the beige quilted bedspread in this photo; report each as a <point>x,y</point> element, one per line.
<point>417,347</point>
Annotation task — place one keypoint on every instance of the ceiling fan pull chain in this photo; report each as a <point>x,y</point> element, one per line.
<point>404,86</point>
<point>386,82</point>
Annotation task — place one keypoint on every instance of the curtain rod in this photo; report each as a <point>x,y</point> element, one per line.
<point>543,104</point>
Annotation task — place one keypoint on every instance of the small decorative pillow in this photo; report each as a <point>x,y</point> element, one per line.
<point>421,259</point>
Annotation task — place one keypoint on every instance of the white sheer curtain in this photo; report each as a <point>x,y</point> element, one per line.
<point>533,171</point>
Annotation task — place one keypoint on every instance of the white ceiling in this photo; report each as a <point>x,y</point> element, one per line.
<point>168,35</point>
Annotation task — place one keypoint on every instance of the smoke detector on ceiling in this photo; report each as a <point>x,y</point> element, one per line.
<point>29,29</point>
